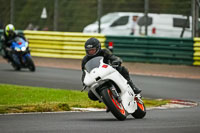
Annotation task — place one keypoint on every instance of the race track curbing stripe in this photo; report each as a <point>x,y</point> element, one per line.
<point>174,103</point>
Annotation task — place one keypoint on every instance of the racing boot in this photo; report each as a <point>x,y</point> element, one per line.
<point>135,89</point>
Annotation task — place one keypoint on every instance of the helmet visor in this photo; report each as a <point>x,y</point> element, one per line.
<point>91,51</point>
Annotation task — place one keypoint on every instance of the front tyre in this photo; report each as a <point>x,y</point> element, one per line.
<point>114,106</point>
<point>15,66</point>
<point>15,62</point>
<point>140,112</point>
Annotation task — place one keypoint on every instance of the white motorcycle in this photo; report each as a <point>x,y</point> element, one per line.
<point>111,88</point>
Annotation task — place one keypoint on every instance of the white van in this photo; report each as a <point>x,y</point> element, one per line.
<point>160,25</point>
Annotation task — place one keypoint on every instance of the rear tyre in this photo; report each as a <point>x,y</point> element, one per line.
<point>140,112</point>
<point>30,64</point>
<point>113,105</point>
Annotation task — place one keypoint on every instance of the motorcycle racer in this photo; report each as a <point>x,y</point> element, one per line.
<point>8,35</point>
<point>93,49</point>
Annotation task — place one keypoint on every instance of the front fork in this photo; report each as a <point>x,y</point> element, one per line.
<point>116,94</point>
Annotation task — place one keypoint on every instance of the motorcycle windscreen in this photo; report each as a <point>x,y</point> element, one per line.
<point>19,40</point>
<point>93,63</point>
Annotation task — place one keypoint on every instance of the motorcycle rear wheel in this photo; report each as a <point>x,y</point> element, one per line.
<point>140,112</point>
<point>30,63</point>
<point>113,105</point>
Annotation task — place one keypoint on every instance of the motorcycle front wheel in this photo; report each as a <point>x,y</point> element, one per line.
<point>15,62</point>
<point>16,67</point>
<point>113,105</point>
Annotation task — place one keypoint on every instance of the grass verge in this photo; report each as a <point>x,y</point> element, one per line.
<point>20,99</point>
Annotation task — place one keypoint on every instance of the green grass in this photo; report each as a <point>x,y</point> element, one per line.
<point>17,99</point>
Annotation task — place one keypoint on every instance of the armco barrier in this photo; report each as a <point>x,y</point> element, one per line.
<point>59,44</point>
<point>196,51</point>
<point>153,49</point>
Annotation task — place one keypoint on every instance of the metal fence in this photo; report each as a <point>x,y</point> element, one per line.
<point>74,15</point>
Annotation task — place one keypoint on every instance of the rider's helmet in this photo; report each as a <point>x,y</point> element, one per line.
<point>92,46</point>
<point>10,30</point>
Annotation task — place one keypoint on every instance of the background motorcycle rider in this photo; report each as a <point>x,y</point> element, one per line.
<point>8,35</point>
<point>93,49</point>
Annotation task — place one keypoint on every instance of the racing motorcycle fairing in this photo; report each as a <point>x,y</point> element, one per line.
<point>98,73</point>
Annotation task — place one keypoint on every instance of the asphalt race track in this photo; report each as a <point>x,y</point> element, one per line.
<point>177,120</point>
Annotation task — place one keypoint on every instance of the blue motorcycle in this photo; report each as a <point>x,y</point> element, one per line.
<point>20,55</point>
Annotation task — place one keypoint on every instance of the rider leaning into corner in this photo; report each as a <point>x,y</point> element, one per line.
<point>93,49</point>
<point>8,35</point>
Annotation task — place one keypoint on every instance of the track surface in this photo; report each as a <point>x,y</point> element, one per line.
<point>156,121</point>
